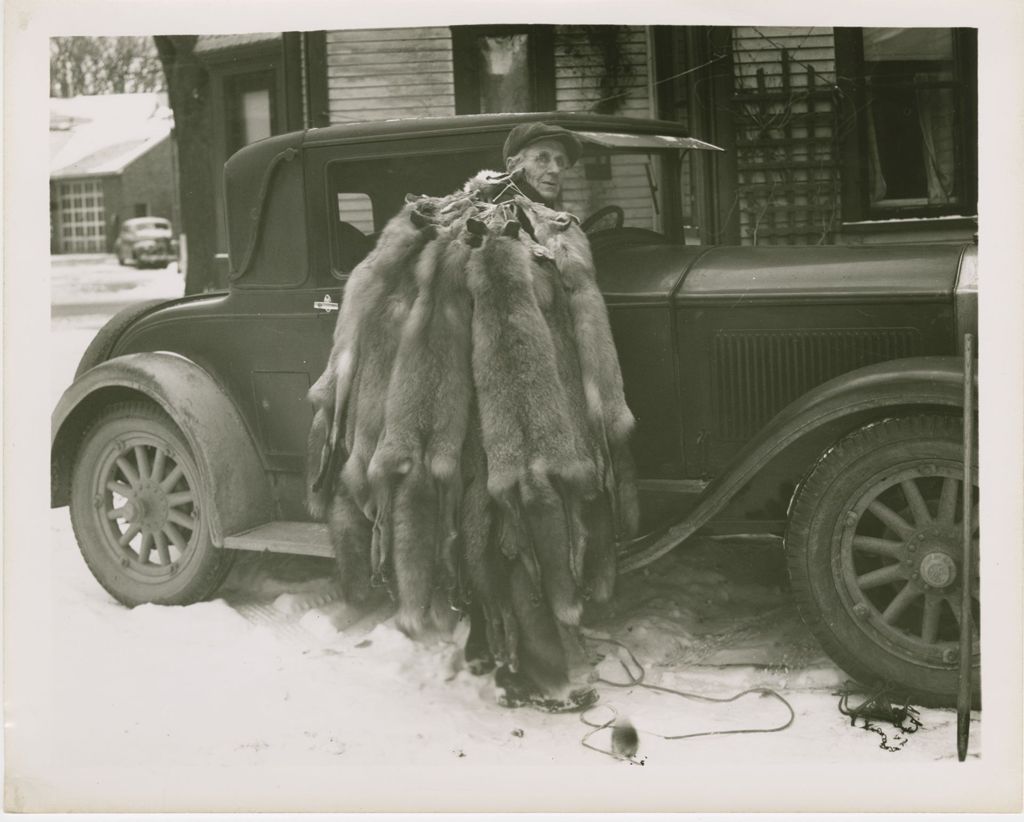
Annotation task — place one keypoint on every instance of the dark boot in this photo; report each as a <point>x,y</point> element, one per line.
<point>550,676</point>
<point>517,690</point>
<point>479,659</point>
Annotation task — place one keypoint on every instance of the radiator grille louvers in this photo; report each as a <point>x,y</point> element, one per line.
<point>756,373</point>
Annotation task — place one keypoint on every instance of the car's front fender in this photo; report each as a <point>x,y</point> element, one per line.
<point>909,385</point>
<point>229,465</point>
<point>912,382</point>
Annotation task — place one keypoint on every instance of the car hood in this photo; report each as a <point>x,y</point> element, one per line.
<point>645,272</point>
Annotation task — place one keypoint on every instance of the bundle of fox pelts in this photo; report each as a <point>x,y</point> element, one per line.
<point>471,417</point>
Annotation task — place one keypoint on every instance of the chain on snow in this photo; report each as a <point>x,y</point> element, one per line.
<point>879,708</point>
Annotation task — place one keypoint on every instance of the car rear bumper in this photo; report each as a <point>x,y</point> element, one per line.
<point>155,257</point>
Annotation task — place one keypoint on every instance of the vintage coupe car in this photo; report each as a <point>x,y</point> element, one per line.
<point>147,242</point>
<point>815,393</point>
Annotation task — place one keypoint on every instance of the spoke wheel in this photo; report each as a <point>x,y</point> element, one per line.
<point>137,507</point>
<point>902,558</point>
<point>875,553</point>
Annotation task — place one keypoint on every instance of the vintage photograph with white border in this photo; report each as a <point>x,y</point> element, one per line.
<point>266,695</point>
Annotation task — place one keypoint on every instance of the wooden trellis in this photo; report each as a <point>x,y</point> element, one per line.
<point>787,159</point>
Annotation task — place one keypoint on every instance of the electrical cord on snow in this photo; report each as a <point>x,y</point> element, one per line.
<point>636,678</point>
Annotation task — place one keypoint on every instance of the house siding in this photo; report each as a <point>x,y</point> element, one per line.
<point>580,69</point>
<point>580,85</point>
<point>379,74</point>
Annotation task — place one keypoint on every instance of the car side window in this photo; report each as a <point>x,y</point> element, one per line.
<point>366,193</point>
<point>354,230</point>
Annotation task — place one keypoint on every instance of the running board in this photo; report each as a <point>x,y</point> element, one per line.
<point>283,537</point>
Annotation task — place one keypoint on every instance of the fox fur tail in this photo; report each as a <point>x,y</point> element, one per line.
<point>471,427</point>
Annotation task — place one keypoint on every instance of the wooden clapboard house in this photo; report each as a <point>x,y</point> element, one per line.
<point>831,135</point>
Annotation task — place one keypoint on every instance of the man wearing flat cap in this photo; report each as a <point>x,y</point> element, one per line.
<point>501,476</point>
<point>536,154</point>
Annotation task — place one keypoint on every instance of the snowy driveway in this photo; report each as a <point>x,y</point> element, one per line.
<point>255,701</point>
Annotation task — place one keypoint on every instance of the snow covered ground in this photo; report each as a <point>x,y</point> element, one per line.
<point>256,701</point>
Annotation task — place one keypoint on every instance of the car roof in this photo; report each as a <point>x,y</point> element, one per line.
<point>137,220</point>
<point>477,123</point>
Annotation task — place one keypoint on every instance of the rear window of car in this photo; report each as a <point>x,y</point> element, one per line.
<point>147,225</point>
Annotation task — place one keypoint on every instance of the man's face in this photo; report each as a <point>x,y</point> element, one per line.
<point>543,163</point>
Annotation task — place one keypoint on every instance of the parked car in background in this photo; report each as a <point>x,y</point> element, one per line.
<point>148,242</point>
<point>815,393</point>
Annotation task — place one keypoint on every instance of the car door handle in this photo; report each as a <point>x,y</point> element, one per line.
<point>327,305</point>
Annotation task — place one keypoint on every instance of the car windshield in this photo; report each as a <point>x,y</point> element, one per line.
<point>641,175</point>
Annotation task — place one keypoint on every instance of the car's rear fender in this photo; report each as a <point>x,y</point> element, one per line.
<point>102,344</point>
<point>781,453</point>
<point>229,465</point>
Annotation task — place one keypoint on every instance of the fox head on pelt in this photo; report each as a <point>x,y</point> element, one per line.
<point>487,185</point>
<point>477,230</point>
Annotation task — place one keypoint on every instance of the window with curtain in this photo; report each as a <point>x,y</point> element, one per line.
<point>913,93</point>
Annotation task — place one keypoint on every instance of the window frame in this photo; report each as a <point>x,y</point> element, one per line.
<point>854,137</point>
<point>235,86</point>
<point>324,172</point>
<point>540,56</point>
<point>323,164</point>
<point>228,66</point>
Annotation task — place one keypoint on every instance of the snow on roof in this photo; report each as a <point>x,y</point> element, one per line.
<point>216,42</point>
<point>102,134</point>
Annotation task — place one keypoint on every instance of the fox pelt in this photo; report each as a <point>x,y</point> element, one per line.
<point>471,417</point>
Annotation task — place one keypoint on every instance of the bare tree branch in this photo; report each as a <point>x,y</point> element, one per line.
<point>103,65</point>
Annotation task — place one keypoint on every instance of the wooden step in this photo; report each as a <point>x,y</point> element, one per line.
<point>283,537</point>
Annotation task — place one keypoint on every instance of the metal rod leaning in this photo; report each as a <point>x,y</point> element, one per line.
<point>963,702</point>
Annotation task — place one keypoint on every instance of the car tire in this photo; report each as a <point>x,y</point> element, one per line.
<point>874,550</point>
<point>138,510</point>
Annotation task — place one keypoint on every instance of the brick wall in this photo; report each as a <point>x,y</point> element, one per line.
<point>149,180</point>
